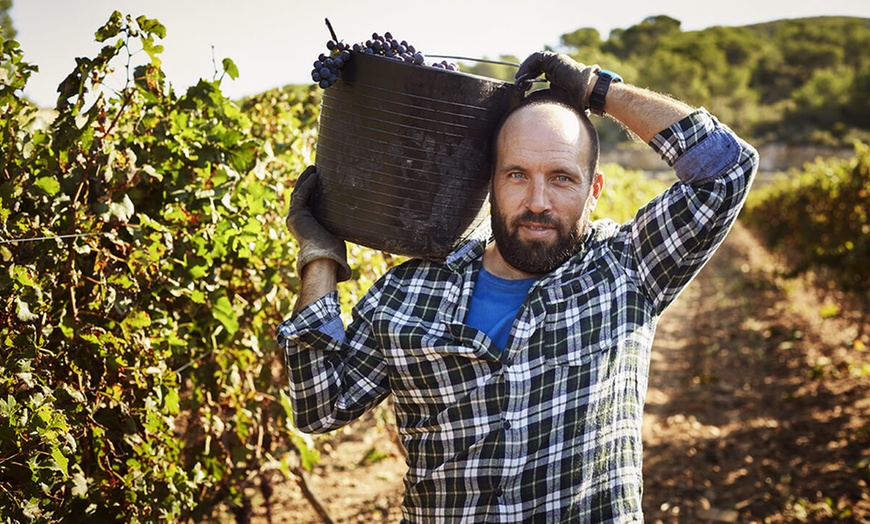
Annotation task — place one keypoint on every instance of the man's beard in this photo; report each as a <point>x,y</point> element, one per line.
<point>535,257</point>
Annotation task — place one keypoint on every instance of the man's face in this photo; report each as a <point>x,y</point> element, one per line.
<point>541,196</point>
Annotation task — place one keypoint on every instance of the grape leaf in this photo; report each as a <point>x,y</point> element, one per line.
<point>223,312</point>
<point>230,68</point>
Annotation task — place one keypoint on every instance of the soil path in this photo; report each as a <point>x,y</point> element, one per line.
<point>758,407</point>
<point>758,410</point>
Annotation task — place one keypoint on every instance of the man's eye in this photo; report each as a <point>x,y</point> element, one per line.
<point>515,174</point>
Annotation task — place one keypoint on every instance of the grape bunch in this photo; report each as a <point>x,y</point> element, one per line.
<point>327,66</point>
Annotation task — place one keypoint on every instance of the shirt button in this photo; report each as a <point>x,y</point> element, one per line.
<point>498,492</point>
<point>509,362</point>
<point>506,424</point>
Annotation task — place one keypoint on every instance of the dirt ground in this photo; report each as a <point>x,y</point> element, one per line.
<point>758,410</point>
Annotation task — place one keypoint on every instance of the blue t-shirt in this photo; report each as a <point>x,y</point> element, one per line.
<point>495,303</point>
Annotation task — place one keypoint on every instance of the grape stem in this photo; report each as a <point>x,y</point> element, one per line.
<point>331,31</point>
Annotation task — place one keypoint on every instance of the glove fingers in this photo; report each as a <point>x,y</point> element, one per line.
<point>305,179</point>
<point>559,69</point>
<point>305,185</point>
<point>531,66</point>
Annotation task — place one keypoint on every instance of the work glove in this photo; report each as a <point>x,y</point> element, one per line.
<point>568,79</point>
<point>313,239</point>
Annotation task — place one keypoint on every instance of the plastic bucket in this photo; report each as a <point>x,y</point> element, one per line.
<point>403,154</point>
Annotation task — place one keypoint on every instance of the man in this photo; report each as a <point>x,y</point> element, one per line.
<point>519,365</point>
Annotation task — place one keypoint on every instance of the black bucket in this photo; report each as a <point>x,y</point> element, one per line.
<point>403,154</point>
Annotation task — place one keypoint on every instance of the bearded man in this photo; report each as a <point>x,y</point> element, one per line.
<point>518,366</point>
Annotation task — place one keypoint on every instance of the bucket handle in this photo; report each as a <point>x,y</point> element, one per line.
<point>520,80</point>
<point>499,62</point>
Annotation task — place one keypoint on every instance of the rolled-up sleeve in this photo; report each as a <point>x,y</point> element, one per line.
<point>678,232</point>
<point>334,375</point>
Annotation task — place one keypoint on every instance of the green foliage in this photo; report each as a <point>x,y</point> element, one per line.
<point>820,219</point>
<point>624,193</point>
<point>146,265</point>
<point>638,40</point>
<point>7,30</point>
<point>796,81</point>
<point>588,39</point>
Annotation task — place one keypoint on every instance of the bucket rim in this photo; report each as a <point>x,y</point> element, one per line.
<point>435,69</point>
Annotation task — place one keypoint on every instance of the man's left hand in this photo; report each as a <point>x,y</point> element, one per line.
<point>563,73</point>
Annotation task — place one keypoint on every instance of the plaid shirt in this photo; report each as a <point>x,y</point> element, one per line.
<point>549,429</point>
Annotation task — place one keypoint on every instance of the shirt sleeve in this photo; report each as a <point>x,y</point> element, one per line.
<point>334,375</point>
<point>674,235</point>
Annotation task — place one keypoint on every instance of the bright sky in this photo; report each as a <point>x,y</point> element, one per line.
<point>274,42</point>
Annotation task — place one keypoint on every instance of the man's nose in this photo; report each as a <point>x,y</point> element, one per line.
<point>537,197</point>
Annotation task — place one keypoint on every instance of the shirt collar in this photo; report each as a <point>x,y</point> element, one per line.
<point>470,248</point>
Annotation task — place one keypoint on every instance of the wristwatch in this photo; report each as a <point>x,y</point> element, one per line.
<point>599,91</point>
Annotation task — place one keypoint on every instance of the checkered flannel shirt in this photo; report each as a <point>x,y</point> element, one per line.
<point>549,430</point>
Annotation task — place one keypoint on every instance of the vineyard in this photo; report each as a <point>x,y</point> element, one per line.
<point>146,265</point>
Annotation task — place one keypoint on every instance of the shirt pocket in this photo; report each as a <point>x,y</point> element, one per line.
<point>433,368</point>
<point>578,320</point>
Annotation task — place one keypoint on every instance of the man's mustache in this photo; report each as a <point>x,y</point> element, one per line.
<point>545,219</point>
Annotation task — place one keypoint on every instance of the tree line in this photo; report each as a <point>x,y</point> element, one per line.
<point>796,81</point>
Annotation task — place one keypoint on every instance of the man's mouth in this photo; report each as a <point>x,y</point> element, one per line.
<point>536,230</point>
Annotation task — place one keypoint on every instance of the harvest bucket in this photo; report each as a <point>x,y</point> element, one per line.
<point>403,154</point>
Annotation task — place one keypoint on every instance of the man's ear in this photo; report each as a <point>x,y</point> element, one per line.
<point>595,191</point>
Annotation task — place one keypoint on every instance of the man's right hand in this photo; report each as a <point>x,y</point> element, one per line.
<point>315,242</point>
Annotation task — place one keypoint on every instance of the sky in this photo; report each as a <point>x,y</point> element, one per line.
<point>274,42</point>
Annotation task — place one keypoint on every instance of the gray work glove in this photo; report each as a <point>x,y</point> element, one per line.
<point>313,239</point>
<point>566,76</point>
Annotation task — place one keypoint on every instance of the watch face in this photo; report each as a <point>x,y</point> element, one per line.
<point>613,76</point>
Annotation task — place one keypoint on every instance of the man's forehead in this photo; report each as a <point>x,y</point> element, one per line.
<point>543,121</point>
<point>549,113</point>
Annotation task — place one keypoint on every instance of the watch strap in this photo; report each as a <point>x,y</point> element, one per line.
<point>599,91</point>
